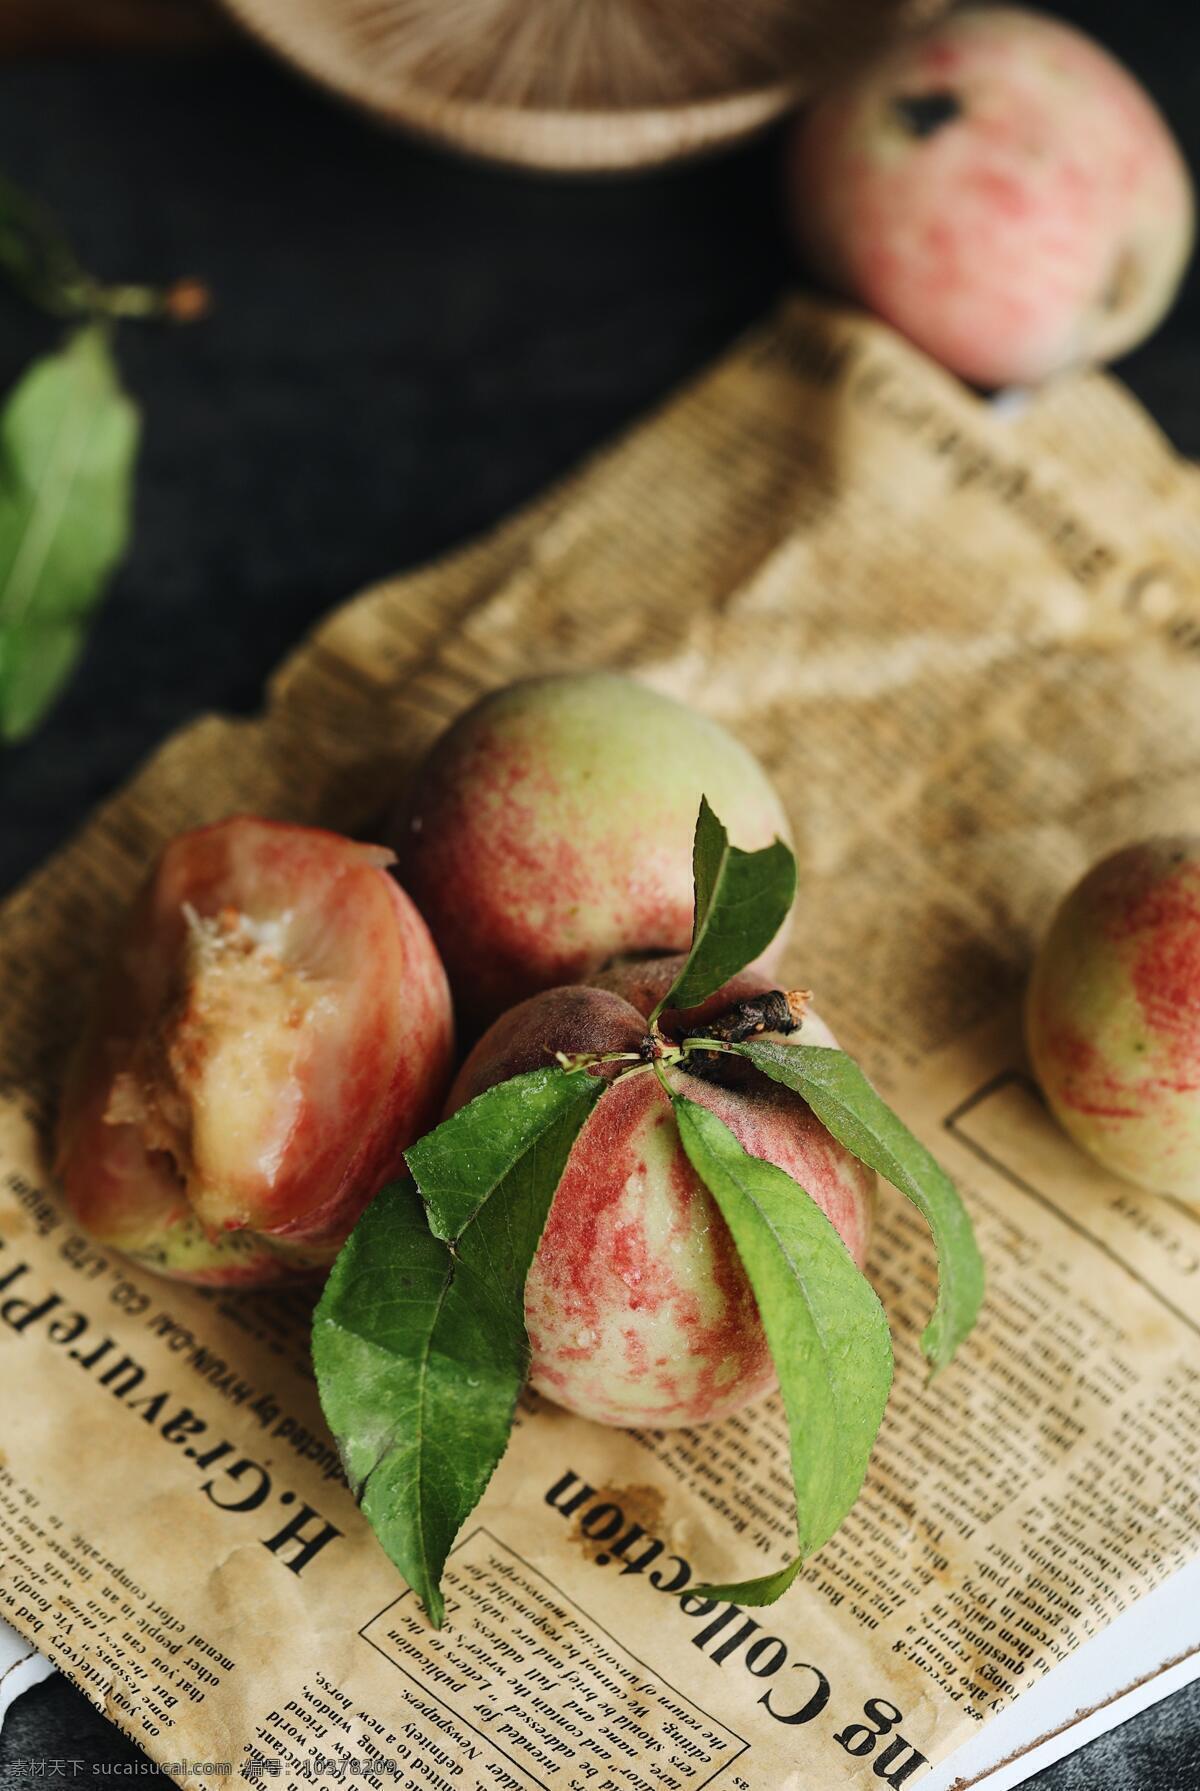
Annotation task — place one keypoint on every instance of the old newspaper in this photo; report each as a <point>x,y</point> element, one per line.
<point>967,643</point>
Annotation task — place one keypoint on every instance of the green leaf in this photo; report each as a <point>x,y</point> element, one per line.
<point>846,1104</point>
<point>742,900</point>
<point>420,1346</point>
<point>385,1394</point>
<point>68,437</point>
<point>519,1128</point>
<point>826,1330</point>
<point>763,1590</point>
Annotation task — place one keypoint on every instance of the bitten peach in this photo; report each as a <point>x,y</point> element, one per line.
<point>638,1308</point>
<point>1002,191</point>
<point>1113,1014</point>
<point>550,831</point>
<point>273,1030</point>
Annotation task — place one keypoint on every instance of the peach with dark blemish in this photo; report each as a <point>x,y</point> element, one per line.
<point>1113,1014</point>
<point>637,1306</point>
<point>550,831</point>
<point>1002,191</point>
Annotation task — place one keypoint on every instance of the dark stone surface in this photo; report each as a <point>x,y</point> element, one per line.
<point>404,347</point>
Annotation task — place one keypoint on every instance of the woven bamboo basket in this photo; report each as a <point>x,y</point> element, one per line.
<point>578,84</point>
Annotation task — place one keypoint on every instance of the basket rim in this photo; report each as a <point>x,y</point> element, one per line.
<point>565,137</point>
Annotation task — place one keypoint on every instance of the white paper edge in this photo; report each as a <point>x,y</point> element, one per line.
<point>1145,1654</point>
<point>21,1666</point>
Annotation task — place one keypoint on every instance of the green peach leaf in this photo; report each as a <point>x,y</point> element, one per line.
<point>392,1395</point>
<point>68,438</point>
<point>419,1345</point>
<point>519,1128</point>
<point>846,1104</point>
<point>742,900</point>
<point>826,1330</point>
<point>763,1590</point>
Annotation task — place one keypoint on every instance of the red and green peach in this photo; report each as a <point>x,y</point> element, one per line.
<point>638,1309</point>
<point>550,832</point>
<point>1113,1014</point>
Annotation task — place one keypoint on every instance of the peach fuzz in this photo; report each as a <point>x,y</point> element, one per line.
<point>638,1309</point>
<point>1002,191</point>
<point>272,1030</point>
<point>1113,1014</point>
<point>550,831</point>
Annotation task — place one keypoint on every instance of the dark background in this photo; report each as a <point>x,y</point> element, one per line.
<point>403,348</point>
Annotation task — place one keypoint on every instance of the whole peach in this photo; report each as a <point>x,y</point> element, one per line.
<point>1113,1014</point>
<point>637,1306</point>
<point>550,831</point>
<point>272,1031</point>
<point>1000,190</point>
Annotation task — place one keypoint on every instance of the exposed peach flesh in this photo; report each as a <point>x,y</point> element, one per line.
<point>274,1030</point>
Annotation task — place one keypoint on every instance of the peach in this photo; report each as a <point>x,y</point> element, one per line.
<point>273,1029</point>
<point>1113,1014</point>
<point>1001,191</point>
<point>550,831</point>
<point>638,1309</point>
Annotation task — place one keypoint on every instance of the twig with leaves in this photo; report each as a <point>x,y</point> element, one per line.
<point>68,444</point>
